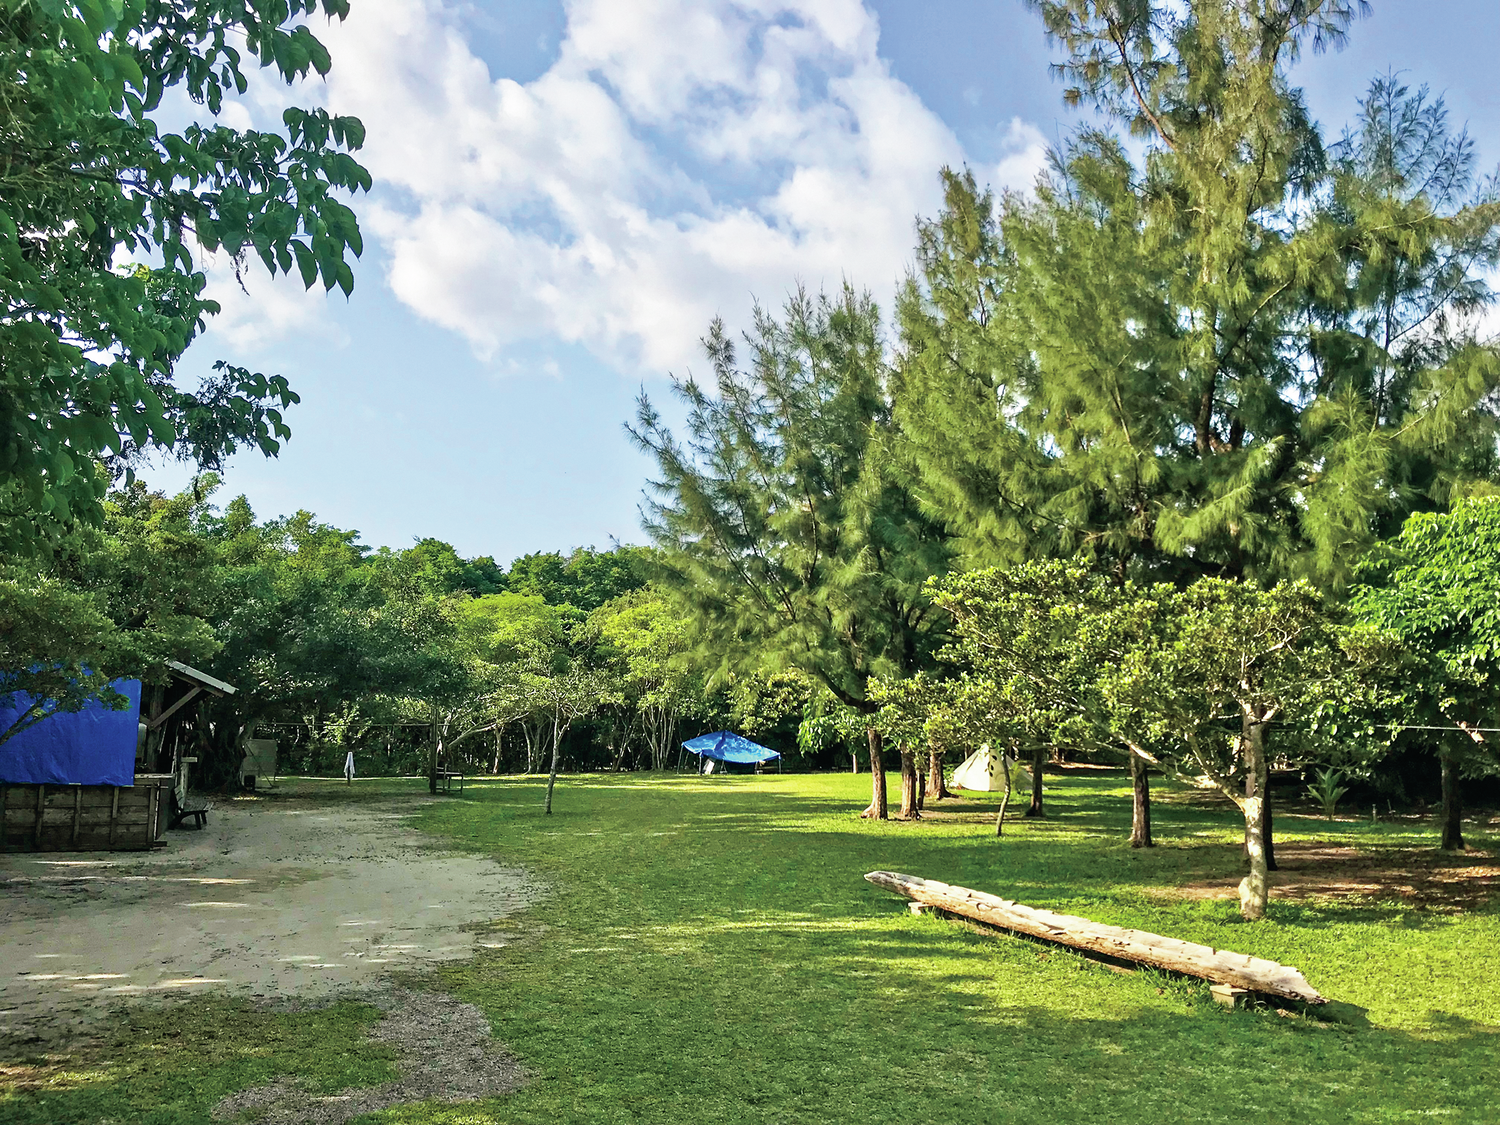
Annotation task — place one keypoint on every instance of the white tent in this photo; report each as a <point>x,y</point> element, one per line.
<point>980,772</point>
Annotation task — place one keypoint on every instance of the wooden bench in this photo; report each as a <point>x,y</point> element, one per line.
<point>445,780</point>
<point>195,808</point>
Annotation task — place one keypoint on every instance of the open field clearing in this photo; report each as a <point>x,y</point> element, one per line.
<point>708,951</point>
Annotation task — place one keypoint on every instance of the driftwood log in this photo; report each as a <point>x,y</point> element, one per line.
<point>1221,966</point>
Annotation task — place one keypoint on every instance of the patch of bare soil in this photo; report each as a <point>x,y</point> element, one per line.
<point>305,894</point>
<point>1426,878</point>
<point>443,1052</point>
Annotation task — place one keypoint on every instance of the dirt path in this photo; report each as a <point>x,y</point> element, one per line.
<point>298,894</point>
<point>443,1053</point>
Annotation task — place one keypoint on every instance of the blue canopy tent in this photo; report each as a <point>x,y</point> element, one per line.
<point>726,746</point>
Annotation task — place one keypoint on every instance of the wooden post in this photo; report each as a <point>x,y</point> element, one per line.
<point>77,800</point>
<point>114,816</point>
<point>41,805</point>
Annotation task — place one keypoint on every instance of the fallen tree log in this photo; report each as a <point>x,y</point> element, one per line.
<point>1221,966</point>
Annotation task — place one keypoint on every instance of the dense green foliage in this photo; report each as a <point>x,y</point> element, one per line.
<point>415,659</point>
<point>786,525</point>
<point>1436,591</point>
<point>1191,680</point>
<point>88,349</point>
<point>1243,353</point>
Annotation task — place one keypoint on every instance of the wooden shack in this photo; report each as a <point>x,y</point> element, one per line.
<point>79,818</point>
<point>90,781</point>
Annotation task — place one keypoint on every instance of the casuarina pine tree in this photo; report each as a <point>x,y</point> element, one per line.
<point>1240,354</point>
<point>785,520</point>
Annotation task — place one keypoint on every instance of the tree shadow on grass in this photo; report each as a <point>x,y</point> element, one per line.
<point>827,1018</point>
<point>1048,862</point>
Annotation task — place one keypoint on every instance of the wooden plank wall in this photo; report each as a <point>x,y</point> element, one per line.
<point>164,783</point>
<point>77,818</point>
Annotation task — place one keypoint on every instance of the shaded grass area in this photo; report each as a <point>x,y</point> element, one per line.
<point>170,1066</point>
<point>709,952</point>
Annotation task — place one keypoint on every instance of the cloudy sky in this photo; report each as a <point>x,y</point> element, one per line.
<point>567,191</point>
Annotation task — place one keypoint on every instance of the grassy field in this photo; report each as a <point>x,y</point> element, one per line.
<point>709,952</point>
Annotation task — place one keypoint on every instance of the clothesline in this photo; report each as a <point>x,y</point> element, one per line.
<point>1419,726</point>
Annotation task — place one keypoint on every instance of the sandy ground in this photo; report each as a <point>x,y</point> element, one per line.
<point>293,895</point>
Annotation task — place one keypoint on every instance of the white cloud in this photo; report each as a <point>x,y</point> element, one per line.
<point>678,157</point>
<point>1025,150</point>
<point>257,309</point>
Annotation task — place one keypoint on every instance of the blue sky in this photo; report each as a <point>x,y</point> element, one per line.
<point>566,193</point>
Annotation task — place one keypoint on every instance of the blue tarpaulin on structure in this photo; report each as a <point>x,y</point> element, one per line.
<point>95,746</point>
<point>726,746</point>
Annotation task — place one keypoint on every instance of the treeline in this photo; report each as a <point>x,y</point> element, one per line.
<point>415,659</point>
<point>1187,456</point>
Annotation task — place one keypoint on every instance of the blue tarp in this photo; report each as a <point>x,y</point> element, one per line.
<point>95,746</point>
<point>726,746</point>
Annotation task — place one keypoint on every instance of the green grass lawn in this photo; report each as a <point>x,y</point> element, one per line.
<point>709,952</point>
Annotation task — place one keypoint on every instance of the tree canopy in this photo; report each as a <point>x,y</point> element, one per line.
<point>1436,589</point>
<point>1242,353</point>
<point>785,523</point>
<point>89,347</point>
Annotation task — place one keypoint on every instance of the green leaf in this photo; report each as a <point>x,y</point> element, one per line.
<point>306,263</point>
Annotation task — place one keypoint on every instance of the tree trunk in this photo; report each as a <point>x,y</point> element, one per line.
<point>499,735</point>
<point>877,809</point>
<point>910,802</point>
<point>1258,784</point>
<point>432,758</point>
<point>921,790</point>
<point>1004,795</point>
<point>1255,887</point>
<point>530,753</point>
<point>1140,803</point>
<point>1223,966</point>
<point>937,785</point>
<point>854,761</point>
<point>1453,807</point>
<point>151,706</point>
<point>556,743</point>
<point>1038,760</point>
